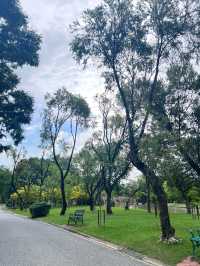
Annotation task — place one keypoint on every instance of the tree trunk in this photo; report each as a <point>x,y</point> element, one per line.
<point>187,202</point>
<point>64,202</point>
<point>148,195</point>
<point>188,206</point>
<point>109,202</point>
<point>91,203</point>
<point>155,209</point>
<point>40,195</point>
<point>167,231</point>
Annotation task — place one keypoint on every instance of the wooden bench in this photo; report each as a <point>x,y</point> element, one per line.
<point>76,217</point>
<point>195,239</point>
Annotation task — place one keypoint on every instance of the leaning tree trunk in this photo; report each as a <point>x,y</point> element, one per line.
<point>167,231</point>
<point>64,202</point>
<point>109,202</point>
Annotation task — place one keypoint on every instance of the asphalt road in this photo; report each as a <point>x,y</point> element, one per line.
<point>24,242</point>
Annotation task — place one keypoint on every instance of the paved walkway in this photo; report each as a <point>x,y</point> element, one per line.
<point>24,242</point>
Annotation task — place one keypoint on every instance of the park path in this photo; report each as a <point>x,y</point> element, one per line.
<point>24,242</point>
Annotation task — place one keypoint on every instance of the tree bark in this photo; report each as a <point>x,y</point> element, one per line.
<point>91,203</point>
<point>109,203</point>
<point>188,206</point>
<point>40,194</point>
<point>155,209</point>
<point>64,202</point>
<point>167,231</point>
<point>148,196</point>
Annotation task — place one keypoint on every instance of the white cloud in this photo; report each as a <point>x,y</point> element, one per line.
<point>51,18</point>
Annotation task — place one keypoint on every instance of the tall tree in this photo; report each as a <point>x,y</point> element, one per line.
<point>19,46</point>
<point>110,146</point>
<point>63,118</point>
<point>134,42</point>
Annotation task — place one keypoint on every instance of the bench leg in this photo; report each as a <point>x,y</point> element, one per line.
<point>193,250</point>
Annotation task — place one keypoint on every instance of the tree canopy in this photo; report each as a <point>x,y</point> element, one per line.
<point>19,46</point>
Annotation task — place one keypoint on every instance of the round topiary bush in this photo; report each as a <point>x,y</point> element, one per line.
<point>40,209</point>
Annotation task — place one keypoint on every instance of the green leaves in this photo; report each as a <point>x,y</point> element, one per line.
<point>19,46</point>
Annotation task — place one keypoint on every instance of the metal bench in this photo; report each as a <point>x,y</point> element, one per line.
<point>76,217</point>
<point>195,239</point>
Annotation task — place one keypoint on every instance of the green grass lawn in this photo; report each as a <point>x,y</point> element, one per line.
<point>135,229</point>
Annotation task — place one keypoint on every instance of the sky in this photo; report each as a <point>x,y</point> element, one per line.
<point>57,68</point>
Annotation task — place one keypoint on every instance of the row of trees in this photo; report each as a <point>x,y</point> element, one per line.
<point>37,179</point>
<point>148,52</point>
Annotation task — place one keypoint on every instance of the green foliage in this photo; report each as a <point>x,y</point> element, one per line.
<point>5,188</point>
<point>40,209</point>
<point>19,46</point>
<point>173,194</point>
<point>194,195</point>
<point>63,107</point>
<point>89,170</point>
<point>27,195</point>
<point>78,195</point>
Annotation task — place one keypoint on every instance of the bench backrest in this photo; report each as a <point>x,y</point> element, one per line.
<point>79,212</point>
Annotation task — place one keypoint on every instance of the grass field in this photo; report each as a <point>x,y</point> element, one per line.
<point>137,230</point>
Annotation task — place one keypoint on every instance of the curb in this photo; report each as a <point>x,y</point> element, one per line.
<point>137,256</point>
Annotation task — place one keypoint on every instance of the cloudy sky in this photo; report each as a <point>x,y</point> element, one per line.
<point>51,19</point>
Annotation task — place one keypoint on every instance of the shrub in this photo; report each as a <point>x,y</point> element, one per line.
<point>40,209</point>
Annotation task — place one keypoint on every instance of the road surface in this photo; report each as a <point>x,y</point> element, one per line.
<point>24,242</point>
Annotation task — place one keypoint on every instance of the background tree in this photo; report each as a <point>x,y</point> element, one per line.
<point>26,175</point>
<point>90,171</point>
<point>19,46</point>
<point>181,178</point>
<point>109,144</point>
<point>63,117</point>
<point>162,154</point>
<point>118,34</point>
<point>16,155</point>
<point>177,110</point>
<point>41,167</point>
<point>5,188</point>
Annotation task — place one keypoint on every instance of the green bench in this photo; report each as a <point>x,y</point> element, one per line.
<point>76,217</point>
<point>195,239</point>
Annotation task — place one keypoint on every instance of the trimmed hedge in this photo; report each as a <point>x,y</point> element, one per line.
<point>40,209</point>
